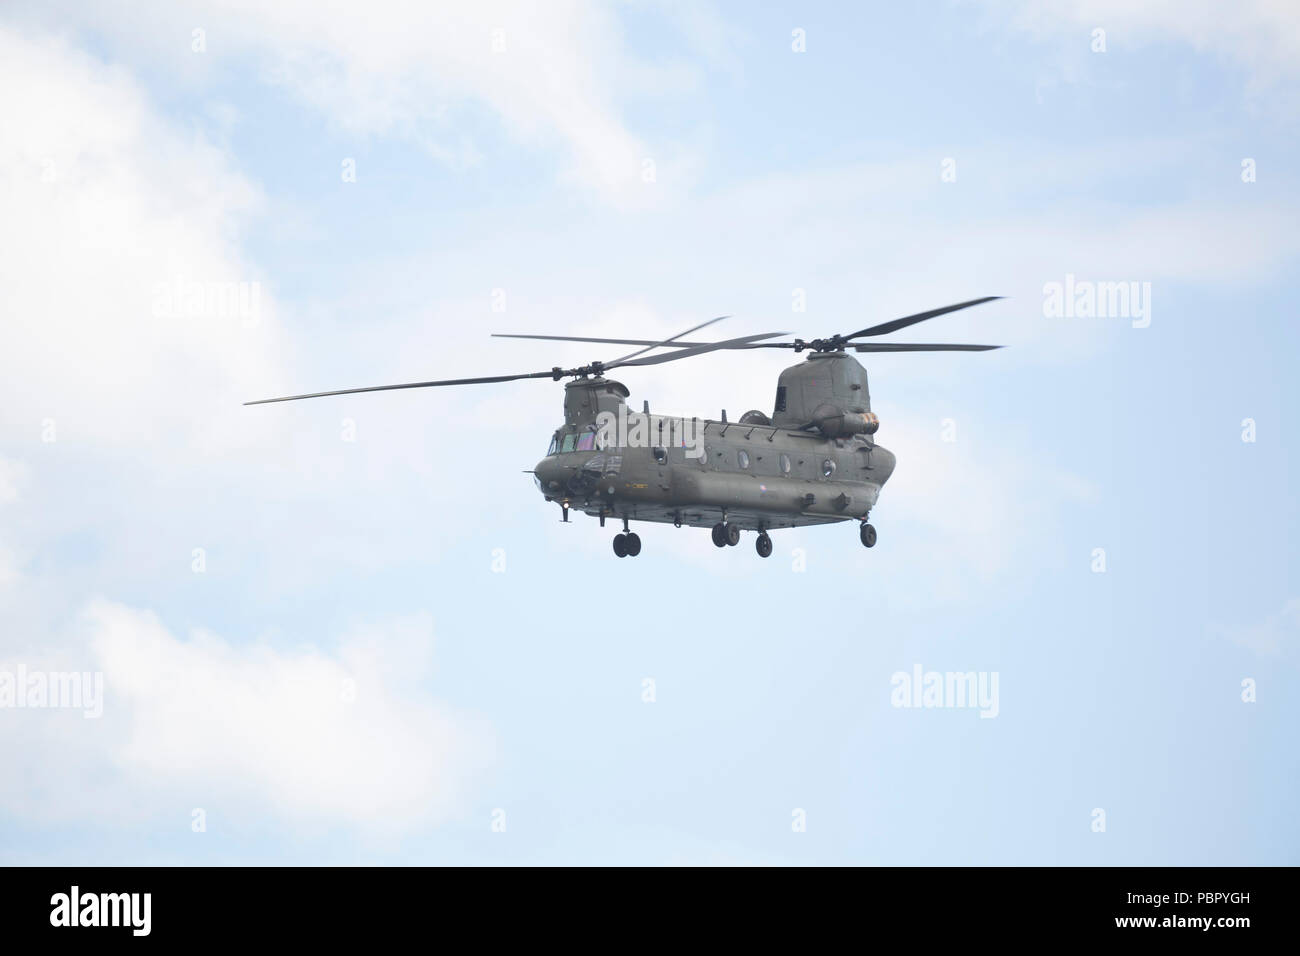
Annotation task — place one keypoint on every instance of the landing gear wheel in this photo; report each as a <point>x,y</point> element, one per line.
<point>720,535</point>
<point>733,534</point>
<point>620,545</point>
<point>633,544</point>
<point>868,535</point>
<point>763,545</point>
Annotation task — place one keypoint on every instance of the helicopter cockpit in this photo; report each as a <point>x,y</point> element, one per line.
<point>563,442</point>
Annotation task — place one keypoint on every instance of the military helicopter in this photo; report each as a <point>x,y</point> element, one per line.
<point>813,461</point>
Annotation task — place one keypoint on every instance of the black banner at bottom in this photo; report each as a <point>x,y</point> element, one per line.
<point>236,904</point>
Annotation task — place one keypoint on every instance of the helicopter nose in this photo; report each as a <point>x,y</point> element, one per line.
<point>549,476</point>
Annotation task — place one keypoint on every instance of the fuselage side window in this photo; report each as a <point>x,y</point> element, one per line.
<point>785,464</point>
<point>742,458</point>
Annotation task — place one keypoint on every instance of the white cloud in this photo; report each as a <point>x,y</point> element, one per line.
<point>1261,36</point>
<point>551,73</point>
<point>313,736</point>
<point>105,205</point>
<point>980,506</point>
<point>1278,633</point>
<point>13,475</point>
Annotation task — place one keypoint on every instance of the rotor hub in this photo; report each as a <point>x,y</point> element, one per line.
<point>835,343</point>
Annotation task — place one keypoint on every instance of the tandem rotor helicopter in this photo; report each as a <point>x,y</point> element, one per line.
<point>813,461</point>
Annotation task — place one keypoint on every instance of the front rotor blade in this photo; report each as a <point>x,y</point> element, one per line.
<point>675,344</point>
<point>655,345</point>
<point>386,388</point>
<point>740,343</point>
<point>918,347</point>
<point>580,338</point>
<point>896,324</point>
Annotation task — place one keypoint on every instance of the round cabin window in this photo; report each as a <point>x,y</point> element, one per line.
<point>742,457</point>
<point>785,464</point>
<point>828,467</point>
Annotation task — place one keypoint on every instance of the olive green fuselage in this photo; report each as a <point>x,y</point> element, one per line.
<point>758,473</point>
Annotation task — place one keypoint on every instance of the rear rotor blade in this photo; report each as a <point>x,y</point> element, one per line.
<point>918,347</point>
<point>894,325</point>
<point>386,388</point>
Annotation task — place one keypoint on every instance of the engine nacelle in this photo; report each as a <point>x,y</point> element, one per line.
<point>834,422</point>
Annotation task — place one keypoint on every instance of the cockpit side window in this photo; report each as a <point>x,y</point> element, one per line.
<point>555,446</point>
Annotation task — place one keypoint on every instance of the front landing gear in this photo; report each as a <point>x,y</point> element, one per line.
<point>868,535</point>
<point>763,545</point>
<point>627,545</point>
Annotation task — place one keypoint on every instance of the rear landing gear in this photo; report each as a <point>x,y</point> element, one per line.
<point>763,545</point>
<point>627,545</point>
<point>868,535</point>
<point>725,533</point>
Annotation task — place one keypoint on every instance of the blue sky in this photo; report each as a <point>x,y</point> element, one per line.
<point>392,642</point>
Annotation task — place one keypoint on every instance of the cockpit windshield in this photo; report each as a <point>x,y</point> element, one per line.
<point>585,441</point>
